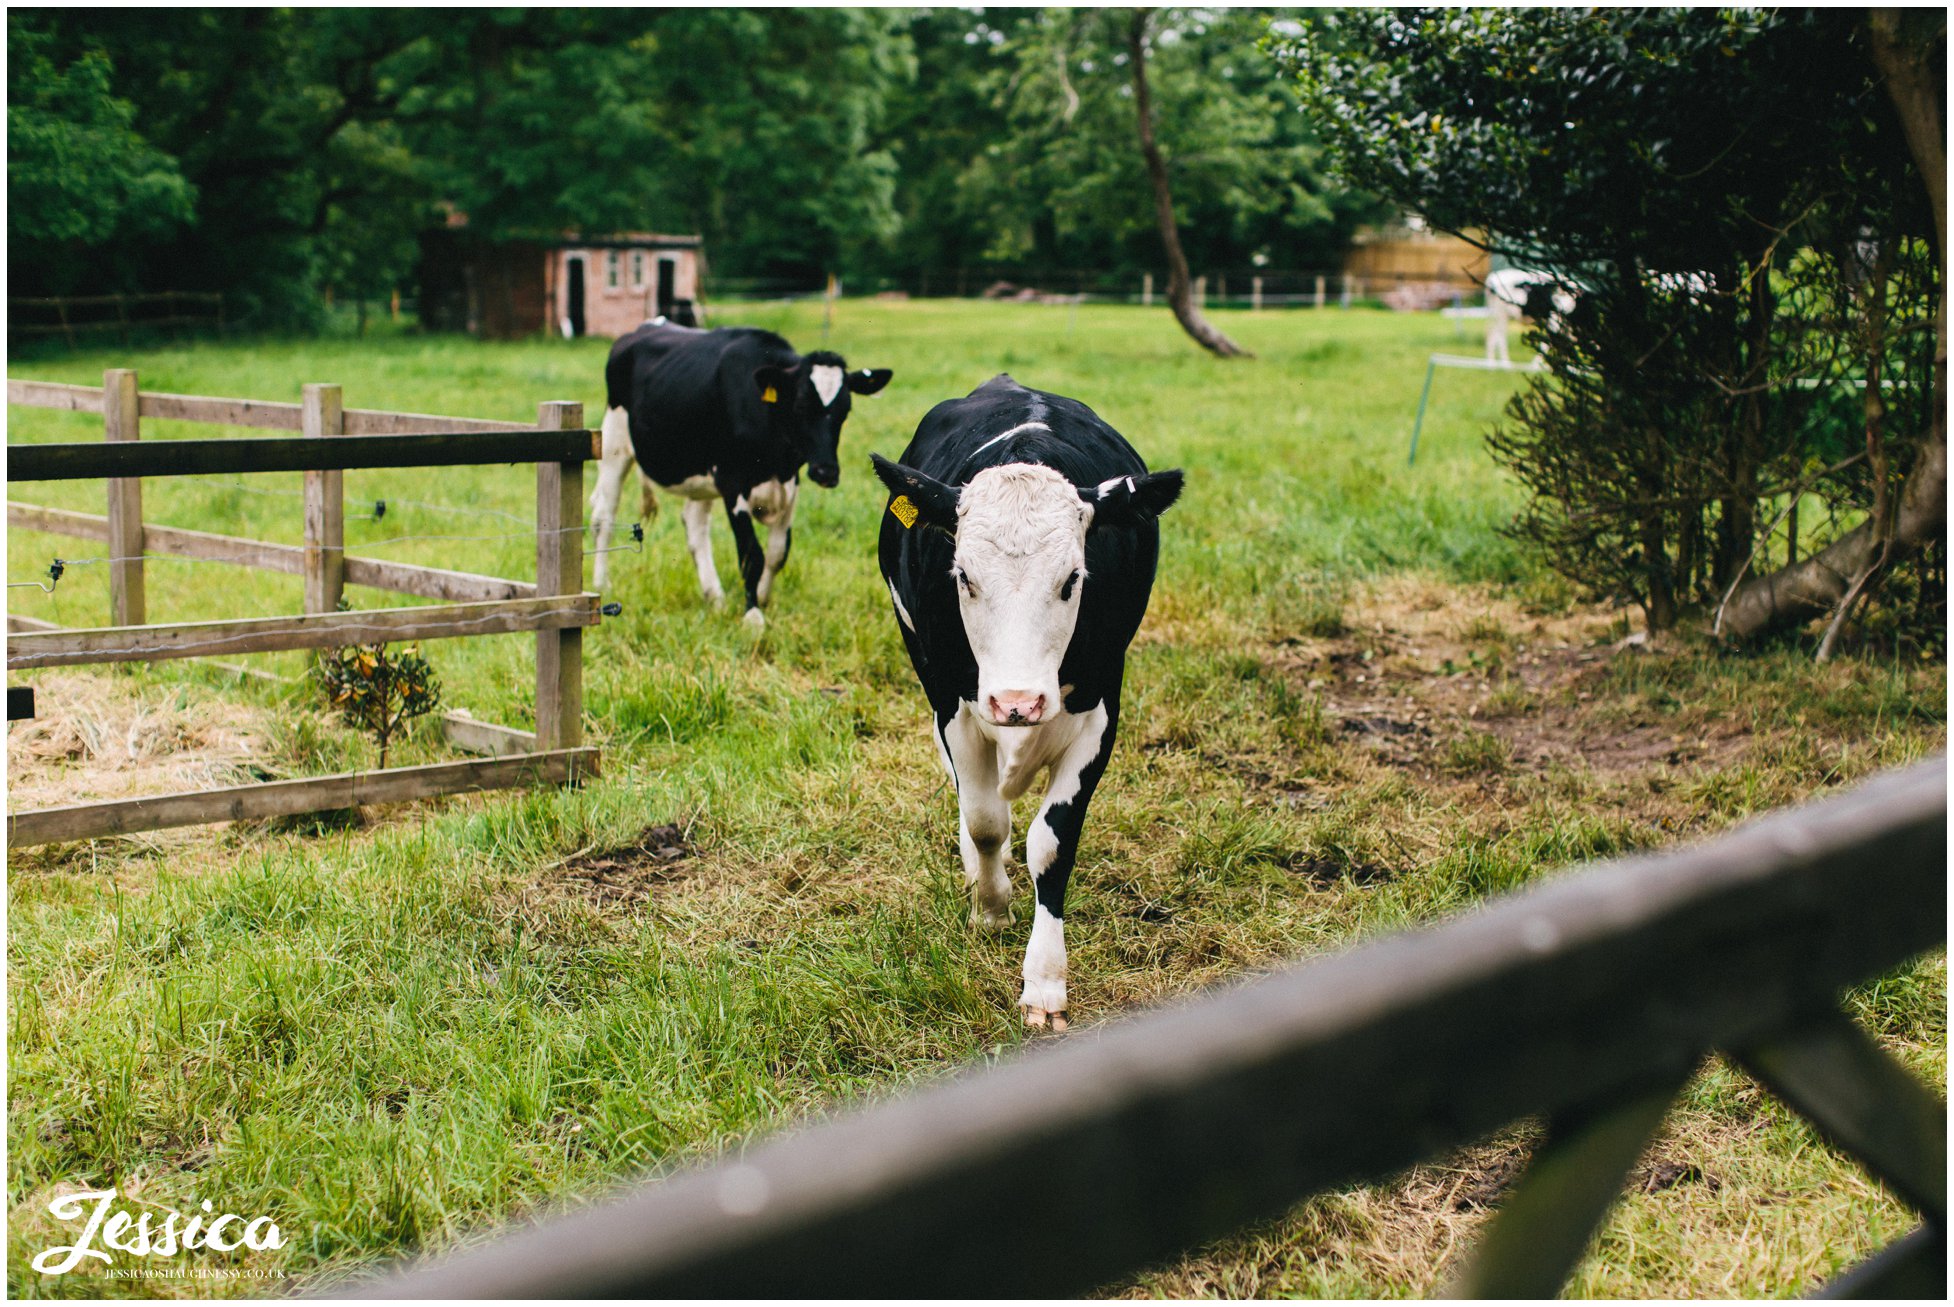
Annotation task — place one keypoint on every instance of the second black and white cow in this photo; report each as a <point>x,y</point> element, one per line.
<point>731,414</point>
<point>1019,547</point>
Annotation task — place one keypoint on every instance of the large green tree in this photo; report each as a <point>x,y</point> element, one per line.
<point>1018,149</point>
<point>1742,210</point>
<point>317,142</point>
<point>82,182</point>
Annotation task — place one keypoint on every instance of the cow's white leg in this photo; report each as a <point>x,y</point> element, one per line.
<point>611,472</point>
<point>698,538</point>
<point>780,537</point>
<point>1051,845</point>
<point>1044,1001</point>
<point>984,822</point>
<point>1497,316</point>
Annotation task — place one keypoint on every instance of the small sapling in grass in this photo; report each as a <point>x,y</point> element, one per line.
<point>379,690</point>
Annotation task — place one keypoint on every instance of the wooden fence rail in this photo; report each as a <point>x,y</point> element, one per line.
<point>70,313</point>
<point>270,556</point>
<point>554,606</point>
<point>264,414</point>
<point>1587,1000</point>
<point>158,458</point>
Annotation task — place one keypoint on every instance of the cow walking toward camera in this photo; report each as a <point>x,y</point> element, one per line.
<point>1019,547</point>
<point>731,415</point>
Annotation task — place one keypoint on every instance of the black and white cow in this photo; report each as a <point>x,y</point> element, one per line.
<point>730,414</point>
<point>1019,547</point>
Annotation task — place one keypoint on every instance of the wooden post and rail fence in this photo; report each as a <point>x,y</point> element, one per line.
<point>331,438</point>
<point>68,316</point>
<point>1588,1001</point>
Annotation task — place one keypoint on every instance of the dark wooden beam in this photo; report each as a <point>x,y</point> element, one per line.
<point>1912,1270</point>
<point>293,798</point>
<point>1863,1101</point>
<point>160,643</point>
<point>1064,1169</point>
<point>1544,1226</point>
<point>161,458</point>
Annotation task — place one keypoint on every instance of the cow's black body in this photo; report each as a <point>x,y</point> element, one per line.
<point>1120,560</point>
<point>736,406</point>
<point>694,408</point>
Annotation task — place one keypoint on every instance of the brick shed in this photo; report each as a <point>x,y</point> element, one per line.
<point>571,284</point>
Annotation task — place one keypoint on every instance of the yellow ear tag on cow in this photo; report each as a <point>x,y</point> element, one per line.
<point>771,396</point>
<point>905,512</point>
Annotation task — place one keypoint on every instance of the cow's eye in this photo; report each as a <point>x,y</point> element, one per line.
<point>964,581</point>
<point>1071,582</point>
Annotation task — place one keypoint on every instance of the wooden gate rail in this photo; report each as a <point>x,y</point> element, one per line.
<point>160,643</point>
<point>268,414</point>
<point>1586,1000</point>
<point>554,606</point>
<point>271,556</point>
<point>163,458</point>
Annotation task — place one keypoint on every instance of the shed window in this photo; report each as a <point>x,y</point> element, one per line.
<point>613,269</point>
<point>638,269</point>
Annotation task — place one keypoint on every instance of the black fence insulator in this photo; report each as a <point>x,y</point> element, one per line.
<point>638,532</point>
<point>379,509</point>
<point>54,571</point>
<point>20,703</point>
<point>611,609</point>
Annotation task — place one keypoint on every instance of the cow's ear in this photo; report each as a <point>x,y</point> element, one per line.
<point>1125,500</point>
<point>773,383</point>
<point>866,381</point>
<point>919,500</point>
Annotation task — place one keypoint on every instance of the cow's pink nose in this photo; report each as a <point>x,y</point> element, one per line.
<point>1014,709</point>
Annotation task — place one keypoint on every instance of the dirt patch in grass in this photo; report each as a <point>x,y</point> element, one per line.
<point>1329,873</point>
<point>625,876</point>
<point>1459,685</point>
<point>1656,1174</point>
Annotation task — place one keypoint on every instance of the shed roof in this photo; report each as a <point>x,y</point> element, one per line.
<point>626,240</point>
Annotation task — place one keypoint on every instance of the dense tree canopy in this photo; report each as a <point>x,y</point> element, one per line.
<point>1035,154</point>
<point>1751,228</point>
<point>273,153</point>
<point>79,175</point>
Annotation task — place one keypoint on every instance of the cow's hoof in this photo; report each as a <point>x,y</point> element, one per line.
<point>755,619</point>
<point>993,920</point>
<point>1037,1018</point>
<point>714,598</point>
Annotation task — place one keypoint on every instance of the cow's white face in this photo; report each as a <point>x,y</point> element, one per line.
<point>1019,571</point>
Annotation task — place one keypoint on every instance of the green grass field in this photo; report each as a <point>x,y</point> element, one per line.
<point>1355,706</point>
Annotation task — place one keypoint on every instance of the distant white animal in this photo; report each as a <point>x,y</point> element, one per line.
<point>1514,293</point>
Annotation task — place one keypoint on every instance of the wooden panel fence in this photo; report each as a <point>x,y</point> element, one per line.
<point>333,438</point>
<point>1587,1001</point>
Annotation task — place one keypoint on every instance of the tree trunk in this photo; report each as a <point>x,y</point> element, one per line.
<point>1820,582</point>
<point>1180,287</point>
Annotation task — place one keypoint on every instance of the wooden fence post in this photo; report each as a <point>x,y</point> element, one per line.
<point>1319,292</point>
<point>1201,292</point>
<point>559,571</point>
<point>120,421</point>
<point>1255,294</point>
<point>1146,289</point>
<point>323,414</point>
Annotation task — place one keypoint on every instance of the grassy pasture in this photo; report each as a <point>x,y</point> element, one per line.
<point>1354,707</point>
